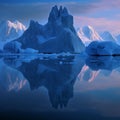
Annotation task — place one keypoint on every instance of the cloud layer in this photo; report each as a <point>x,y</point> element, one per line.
<point>102,14</point>
<point>40,10</point>
<point>100,24</point>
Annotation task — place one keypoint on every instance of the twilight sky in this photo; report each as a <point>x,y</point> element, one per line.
<point>101,14</point>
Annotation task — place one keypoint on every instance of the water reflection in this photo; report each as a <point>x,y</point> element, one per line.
<point>87,74</point>
<point>97,65</point>
<point>57,75</point>
<point>104,62</point>
<point>98,81</point>
<point>10,79</point>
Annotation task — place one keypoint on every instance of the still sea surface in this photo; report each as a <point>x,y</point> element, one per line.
<point>58,87</point>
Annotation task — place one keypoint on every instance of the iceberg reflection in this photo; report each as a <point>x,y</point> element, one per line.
<point>103,62</point>
<point>57,75</point>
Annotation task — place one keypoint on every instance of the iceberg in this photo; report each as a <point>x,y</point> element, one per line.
<point>56,36</point>
<point>103,48</point>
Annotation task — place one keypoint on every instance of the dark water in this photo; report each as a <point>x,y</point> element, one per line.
<point>59,87</point>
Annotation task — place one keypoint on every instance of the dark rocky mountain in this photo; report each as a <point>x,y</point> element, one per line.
<point>58,35</point>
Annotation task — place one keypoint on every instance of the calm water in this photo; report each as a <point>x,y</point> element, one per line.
<point>59,87</point>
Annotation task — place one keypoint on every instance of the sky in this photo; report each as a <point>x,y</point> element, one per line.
<point>103,15</point>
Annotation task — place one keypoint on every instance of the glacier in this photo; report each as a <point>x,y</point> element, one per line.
<point>56,36</point>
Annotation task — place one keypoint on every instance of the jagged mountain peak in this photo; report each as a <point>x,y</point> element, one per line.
<point>56,13</point>
<point>107,36</point>
<point>88,27</point>
<point>88,34</point>
<point>12,24</point>
<point>65,11</point>
<point>19,25</point>
<point>33,24</point>
<point>106,33</point>
<point>53,14</point>
<point>61,16</point>
<point>57,35</point>
<point>10,29</point>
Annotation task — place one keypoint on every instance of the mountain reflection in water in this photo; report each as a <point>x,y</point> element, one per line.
<point>57,75</point>
<point>65,78</point>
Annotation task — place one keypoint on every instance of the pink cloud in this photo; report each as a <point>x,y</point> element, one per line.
<point>100,24</point>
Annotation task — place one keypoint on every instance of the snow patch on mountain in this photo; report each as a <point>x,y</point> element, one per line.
<point>10,30</point>
<point>88,34</point>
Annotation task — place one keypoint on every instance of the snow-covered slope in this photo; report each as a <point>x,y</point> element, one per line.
<point>88,34</point>
<point>58,35</point>
<point>107,36</point>
<point>118,39</point>
<point>10,30</point>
